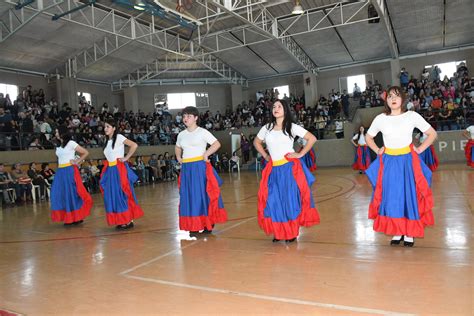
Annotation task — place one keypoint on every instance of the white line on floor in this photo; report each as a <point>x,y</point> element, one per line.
<point>271,298</point>
<point>181,248</point>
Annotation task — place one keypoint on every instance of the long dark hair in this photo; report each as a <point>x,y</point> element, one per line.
<point>112,123</point>
<point>287,119</point>
<point>358,133</point>
<point>399,92</point>
<point>64,136</point>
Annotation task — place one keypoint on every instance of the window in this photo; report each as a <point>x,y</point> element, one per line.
<point>359,80</point>
<point>86,96</point>
<point>447,69</point>
<point>9,89</point>
<point>176,101</point>
<point>282,90</point>
<point>181,100</point>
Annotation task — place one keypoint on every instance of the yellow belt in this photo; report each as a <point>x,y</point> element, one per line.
<point>397,151</point>
<point>64,165</point>
<point>112,163</point>
<point>193,159</point>
<point>279,162</point>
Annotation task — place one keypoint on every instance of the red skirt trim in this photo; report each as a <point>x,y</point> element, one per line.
<point>424,198</point>
<point>435,157</point>
<point>83,212</point>
<point>468,153</point>
<point>313,159</point>
<point>134,210</point>
<point>308,217</point>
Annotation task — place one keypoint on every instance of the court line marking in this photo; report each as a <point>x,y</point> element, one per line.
<point>181,248</point>
<point>271,298</point>
<point>246,294</point>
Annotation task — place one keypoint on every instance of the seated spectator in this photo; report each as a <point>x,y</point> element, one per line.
<point>6,182</point>
<point>37,179</point>
<point>153,164</point>
<point>22,184</point>
<point>35,144</point>
<point>47,173</point>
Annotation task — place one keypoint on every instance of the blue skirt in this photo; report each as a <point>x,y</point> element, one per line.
<point>70,201</point>
<point>429,158</point>
<point>121,206</point>
<point>285,201</point>
<point>402,199</point>
<point>200,200</point>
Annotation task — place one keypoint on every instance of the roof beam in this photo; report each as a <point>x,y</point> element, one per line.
<point>268,25</point>
<point>126,29</point>
<point>381,7</point>
<point>17,18</point>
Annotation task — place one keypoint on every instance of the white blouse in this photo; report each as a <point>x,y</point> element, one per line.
<point>397,131</point>
<point>279,144</point>
<point>68,153</point>
<point>118,151</point>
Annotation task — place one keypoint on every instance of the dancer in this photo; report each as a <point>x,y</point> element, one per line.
<point>428,156</point>
<point>117,179</point>
<point>200,201</point>
<point>70,201</point>
<point>310,157</point>
<point>362,158</point>
<point>402,199</point>
<point>285,201</point>
<point>469,149</point>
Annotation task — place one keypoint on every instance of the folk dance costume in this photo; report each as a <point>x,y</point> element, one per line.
<point>310,157</point>
<point>429,156</point>
<point>70,201</point>
<point>116,184</point>
<point>285,201</point>
<point>469,149</point>
<point>402,201</point>
<point>200,200</point>
<point>362,159</point>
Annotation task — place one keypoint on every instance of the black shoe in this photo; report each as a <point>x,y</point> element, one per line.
<point>361,172</point>
<point>125,226</point>
<point>396,242</point>
<point>68,224</point>
<point>206,231</point>
<point>78,222</point>
<point>409,243</point>
<point>290,240</point>
<point>276,240</point>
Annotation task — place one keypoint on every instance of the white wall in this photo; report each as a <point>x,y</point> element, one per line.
<point>294,82</point>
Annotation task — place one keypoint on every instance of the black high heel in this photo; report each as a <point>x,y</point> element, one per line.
<point>409,243</point>
<point>396,242</point>
<point>290,240</point>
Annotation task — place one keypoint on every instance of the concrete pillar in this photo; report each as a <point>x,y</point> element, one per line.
<point>130,99</point>
<point>236,94</point>
<point>67,92</point>
<point>310,89</point>
<point>395,72</point>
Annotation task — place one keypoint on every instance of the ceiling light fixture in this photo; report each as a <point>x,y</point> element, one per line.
<point>139,5</point>
<point>298,9</point>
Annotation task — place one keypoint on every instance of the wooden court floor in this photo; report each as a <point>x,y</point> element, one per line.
<point>340,267</point>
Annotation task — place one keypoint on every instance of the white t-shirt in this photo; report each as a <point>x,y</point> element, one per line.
<point>279,144</point>
<point>194,143</point>
<point>68,153</point>
<point>118,151</point>
<point>470,129</point>
<point>397,130</point>
<point>361,141</point>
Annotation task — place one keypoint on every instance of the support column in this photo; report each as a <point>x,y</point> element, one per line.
<point>310,89</point>
<point>130,99</point>
<point>395,71</point>
<point>236,94</point>
<point>67,92</point>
